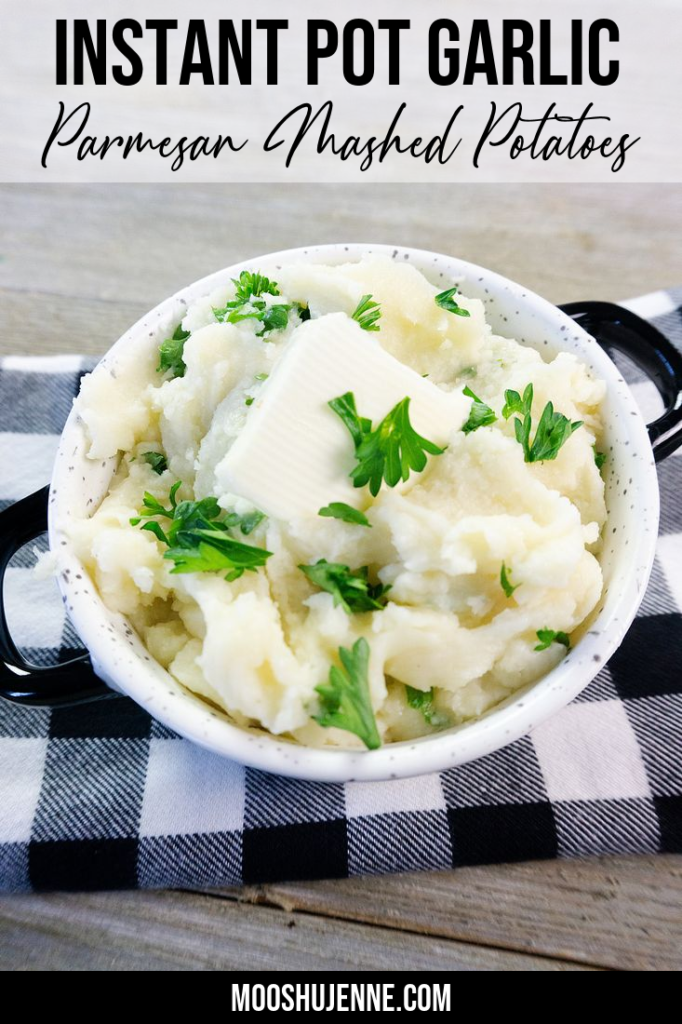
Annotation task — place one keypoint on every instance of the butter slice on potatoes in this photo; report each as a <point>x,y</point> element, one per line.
<point>294,454</point>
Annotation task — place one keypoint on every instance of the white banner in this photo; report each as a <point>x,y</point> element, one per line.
<point>381,109</point>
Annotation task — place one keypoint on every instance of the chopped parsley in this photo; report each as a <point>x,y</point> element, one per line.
<point>389,452</point>
<point>348,514</point>
<point>247,522</point>
<point>505,582</point>
<point>367,313</point>
<point>272,318</point>
<point>249,400</point>
<point>171,352</point>
<point>599,459</point>
<point>547,637</point>
<point>212,551</point>
<point>446,300</point>
<point>303,311</point>
<point>553,428</point>
<point>247,304</point>
<point>350,588</point>
<point>157,461</point>
<point>261,376</point>
<point>480,414</point>
<point>422,701</point>
<point>345,701</point>
<point>197,539</point>
<point>251,284</point>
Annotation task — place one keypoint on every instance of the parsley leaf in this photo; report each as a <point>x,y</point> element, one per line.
<point>390,451</point>
<point>422,701</point>
<point>367,313</point>
<point>151,506</point>
<point>358,426</point>
<point>157,460</point>
<point>171,351</point>
<point>599,458</point>
<point>273,318</point>
<point>212,550</point>
<point>547,637</point>
<point>345,701</point>
<point>247,305</point>
<point>447,301</point>
<point>303,311</point>
<point>247,522</point>
<point>197,539</point>
<point>350,588</point>
<point>261,376</point>
<point>251,284</point>
<point>480,414</point>
<point>348,514</point>
<point>505,582</point>
<point>553,428</point>
<point>513,402</point>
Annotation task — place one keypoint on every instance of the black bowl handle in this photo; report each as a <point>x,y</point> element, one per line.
<point>72,682</point>
<point>616,327</point>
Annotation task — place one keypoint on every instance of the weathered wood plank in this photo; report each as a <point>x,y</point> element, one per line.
<point>620,912</point>
<point>180,931</point>
<point>84,326</point>
<point>137,245</point>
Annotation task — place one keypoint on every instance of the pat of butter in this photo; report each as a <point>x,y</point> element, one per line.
<point>294,455</point>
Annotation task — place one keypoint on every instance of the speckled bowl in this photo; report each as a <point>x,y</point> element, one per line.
<point>121,660</point>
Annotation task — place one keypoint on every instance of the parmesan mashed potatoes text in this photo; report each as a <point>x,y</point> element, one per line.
<point>479,566</point>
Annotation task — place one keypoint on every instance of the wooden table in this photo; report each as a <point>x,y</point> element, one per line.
<point>78,265</point>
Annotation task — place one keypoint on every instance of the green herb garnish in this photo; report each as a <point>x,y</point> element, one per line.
<point>505,582</point>
<point>345,701</point>
<point>350,588</point>
<point>261,376</point>
<point>251,284</point>
<point>348,514</point>
<point>389,452</point>
<point>547,637</point>
<point>273,318</point>
<point>422,701</point>
<point>247,305</point>
<point>212,551</point>
<point>247,522</point>
<point>553,428</point>
<point>447,301</point>
<point>599,458</point>
<point>303,311</point>
<point>358,426</point>
<point>171,352</point>
<point>480,414</point>
<point>367,313</point>
<point>157,461</point>
<point>197,539</point>
<point>249,400</point>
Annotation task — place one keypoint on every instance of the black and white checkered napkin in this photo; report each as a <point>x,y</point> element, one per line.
<point>102,796</point>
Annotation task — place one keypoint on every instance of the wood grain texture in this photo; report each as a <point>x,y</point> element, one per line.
<point>183,931</point>
<point>616,912</point>
<point>77,266</point>
<point>126,247</point>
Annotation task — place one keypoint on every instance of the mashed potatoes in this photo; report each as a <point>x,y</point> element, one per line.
<point>488,556</point>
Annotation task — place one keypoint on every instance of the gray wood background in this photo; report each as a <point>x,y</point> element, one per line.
<point>77,265</point>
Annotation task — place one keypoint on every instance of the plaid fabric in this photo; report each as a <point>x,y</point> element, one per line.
<point>102,796</point>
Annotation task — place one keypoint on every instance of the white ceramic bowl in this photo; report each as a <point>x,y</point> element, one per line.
<point>121,660</point>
